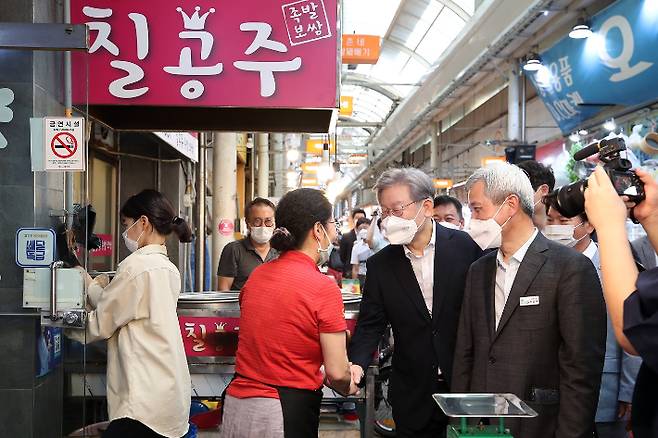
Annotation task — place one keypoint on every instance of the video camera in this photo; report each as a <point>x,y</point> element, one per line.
<point>569,200</point>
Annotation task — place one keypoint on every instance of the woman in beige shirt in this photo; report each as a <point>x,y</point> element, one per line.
<point>148,381</point>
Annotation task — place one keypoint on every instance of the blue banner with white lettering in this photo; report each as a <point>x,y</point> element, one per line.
<point>616,65</point>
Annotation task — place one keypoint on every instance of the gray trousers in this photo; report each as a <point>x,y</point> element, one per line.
<point>253,417</point>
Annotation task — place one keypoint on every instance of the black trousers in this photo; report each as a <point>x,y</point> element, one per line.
<point>435,428</point>
<point>301,411</point>
<point>300,408</point>
<point>129,428</point>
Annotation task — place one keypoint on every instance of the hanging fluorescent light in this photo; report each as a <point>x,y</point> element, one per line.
<point>583,132</point>
<point>532,62</point>
<point>293,155</point>
<point>610,125</point>
<point>326,173</point>
<point>325,170</point>
<point>581,29</point>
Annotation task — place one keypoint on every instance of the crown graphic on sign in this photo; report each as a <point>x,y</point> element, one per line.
<point>195,22</point>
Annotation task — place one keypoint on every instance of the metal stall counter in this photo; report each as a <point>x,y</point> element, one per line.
<point>210,323</point>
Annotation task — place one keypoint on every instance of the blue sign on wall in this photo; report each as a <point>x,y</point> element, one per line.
<point>35,247</point>
<point>617,65</point>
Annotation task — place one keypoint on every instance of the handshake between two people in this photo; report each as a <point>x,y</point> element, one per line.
<point>340,375</point>
<point>345,388</point>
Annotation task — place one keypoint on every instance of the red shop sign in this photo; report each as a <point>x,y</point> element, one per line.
<point>215,336</point>
<point>106,246</point>
<point>209,53</point>
<point>209,336</point>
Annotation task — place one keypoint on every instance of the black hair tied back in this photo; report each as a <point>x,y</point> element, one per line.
<point>298,211</point>
<point>161,214</point>
<point>182,229</point>
<point>282,240</point>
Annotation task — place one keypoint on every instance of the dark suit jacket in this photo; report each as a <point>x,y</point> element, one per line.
<point>644,252</point>
<point>556,347</point>
<point>345,247</point>
<point>422,343</point>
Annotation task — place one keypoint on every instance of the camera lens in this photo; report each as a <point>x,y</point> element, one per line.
<point>571,199</point>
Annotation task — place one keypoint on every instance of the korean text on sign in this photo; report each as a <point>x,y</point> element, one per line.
<point>35,247</point>
<point>229,54</point>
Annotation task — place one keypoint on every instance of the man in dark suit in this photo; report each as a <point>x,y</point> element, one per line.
<point>644,252</point>
<point>416,285</point>
<point>533,320</point>
<point>347,243</point>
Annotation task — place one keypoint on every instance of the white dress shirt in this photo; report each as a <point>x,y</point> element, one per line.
<point>148,379</point>
<point>506,274</point>
<point>590,251</point>
<point>361,252</point>
<point>423,267</point>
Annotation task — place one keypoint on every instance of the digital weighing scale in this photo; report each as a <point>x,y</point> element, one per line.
<point>465,406</point>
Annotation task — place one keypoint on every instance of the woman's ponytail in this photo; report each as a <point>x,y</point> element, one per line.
<point>182,229</point>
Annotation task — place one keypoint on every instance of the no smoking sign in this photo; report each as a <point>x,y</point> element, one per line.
<point>64,143</point>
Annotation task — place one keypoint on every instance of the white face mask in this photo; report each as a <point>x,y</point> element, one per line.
<point>261,235</point>
<point>449,225</point>
<point>399,231</point>
<point>132,245</point>
<point>563,234</point>
<point>487,233</point>
<point>326,252</point>
<point>362,234</point>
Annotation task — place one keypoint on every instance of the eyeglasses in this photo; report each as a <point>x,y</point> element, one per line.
<point>258,222</point>
<point>398,211</point>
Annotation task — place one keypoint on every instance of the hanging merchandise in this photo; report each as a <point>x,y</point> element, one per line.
<point>649,144</point>
<point>635,140</point>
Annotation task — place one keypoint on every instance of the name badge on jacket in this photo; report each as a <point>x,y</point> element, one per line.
<point>530,301</point>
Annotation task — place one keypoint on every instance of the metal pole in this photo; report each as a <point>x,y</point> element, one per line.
<point>369,431</point>
<point>252,192</point>
<point>54,266</point>
<point>263,165</point>
<point>439,150</point>
<point>117,228</point>
<point>68,112</point>
<point>224,190</point>
<point>523,108</point>
<point>434,149</point>
<point>513,105</point>
<point>189,214</point>
<point>200,250</point>
<point>279,156</point>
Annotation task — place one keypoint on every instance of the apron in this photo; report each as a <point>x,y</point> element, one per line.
<point>300,407</point>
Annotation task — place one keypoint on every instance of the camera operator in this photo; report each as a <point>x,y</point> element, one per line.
<point>631,297</point>
<point>375,239</point>
<point>620,369</point>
